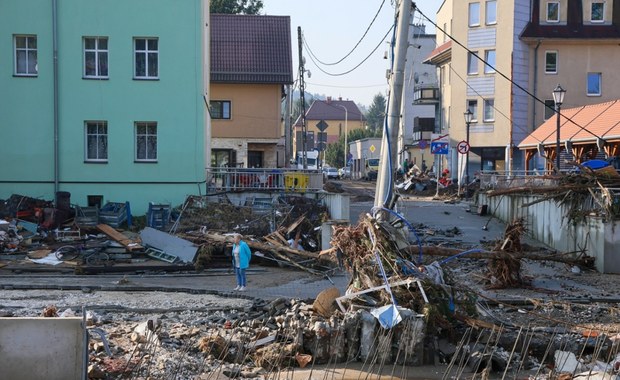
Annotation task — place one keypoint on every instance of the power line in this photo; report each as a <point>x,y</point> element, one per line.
<point>356,66</point>
<point>354,47</point>
<point>503,75</point>
<point>335,86</point>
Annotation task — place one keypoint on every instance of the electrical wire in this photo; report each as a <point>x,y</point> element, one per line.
<point>502,74</point>
<point>356,66</point>
<point>354,47</point>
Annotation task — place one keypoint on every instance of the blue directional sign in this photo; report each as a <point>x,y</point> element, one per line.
<point>440,147</point>
<point>440,144</point>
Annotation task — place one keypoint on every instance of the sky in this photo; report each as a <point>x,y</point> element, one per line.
<point>331,29</point>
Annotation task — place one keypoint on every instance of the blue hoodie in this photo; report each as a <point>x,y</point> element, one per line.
<point>244,255</point>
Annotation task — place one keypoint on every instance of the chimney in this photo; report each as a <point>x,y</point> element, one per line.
<point>329,99</point>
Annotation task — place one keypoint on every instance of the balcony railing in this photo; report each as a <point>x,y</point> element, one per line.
<point>265,179</point>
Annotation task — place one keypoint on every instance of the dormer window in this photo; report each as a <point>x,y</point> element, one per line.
<point>553,11</point>
<point>597,13</point>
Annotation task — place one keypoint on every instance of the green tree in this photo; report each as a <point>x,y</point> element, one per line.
<point>376,115</point>
<point>334,153</point>
<point>246,7</point>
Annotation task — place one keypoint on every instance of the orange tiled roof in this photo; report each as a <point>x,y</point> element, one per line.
<point>580,124</point>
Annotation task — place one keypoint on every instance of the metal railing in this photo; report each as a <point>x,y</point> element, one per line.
<point>516,178</point>
<point>265,179</point>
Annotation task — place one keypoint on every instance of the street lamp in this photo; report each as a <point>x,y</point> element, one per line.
<point>558,98</point>
<point>469,116</point>
<point>346,132</point>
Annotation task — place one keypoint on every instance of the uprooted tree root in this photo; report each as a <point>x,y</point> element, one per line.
<point>504,267</point>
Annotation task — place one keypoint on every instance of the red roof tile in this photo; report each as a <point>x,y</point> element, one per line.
<point>585,125</point>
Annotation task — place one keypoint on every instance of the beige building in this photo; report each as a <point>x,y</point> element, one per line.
<point>529,47</point>
<point>339,117</point>
<point>499,119</point>
<point>251,63</point>
<point>575,44</point>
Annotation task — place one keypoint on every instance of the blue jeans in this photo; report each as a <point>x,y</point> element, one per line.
<point>240,273</point>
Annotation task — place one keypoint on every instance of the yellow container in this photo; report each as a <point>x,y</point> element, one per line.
<point>296,181</point>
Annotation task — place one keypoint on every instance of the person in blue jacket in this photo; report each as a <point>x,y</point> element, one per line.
<point>241,255</point>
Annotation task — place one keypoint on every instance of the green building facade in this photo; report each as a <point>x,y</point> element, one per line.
<point>117,110</point>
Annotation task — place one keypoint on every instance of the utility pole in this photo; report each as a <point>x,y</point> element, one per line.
<point>302,99</point>
<point>385,182</point>
<point>288,138</point>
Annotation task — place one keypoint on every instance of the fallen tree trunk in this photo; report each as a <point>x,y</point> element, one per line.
<point>414,250</point>
<point>257,245</point>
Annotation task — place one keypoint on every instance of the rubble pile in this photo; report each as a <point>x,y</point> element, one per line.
<point>261,340</point>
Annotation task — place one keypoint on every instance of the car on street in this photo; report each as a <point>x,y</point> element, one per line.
<point>344,172</point>
<point>330,173</point>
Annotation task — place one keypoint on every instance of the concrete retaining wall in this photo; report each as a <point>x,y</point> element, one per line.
<point>547,223</point>
<point>42,348</point>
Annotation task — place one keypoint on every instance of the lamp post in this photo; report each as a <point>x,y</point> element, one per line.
<point>346,132</point>
<point>468,118</point>
<point>558,98</point>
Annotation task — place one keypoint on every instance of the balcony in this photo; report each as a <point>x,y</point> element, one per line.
<point>426,94</point>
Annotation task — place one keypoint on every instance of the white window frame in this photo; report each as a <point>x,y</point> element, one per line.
<point>547,54</point>
<point>486,13</point>
<point>475,22</point>
<point>490,69</point>
<point>549,3</point>
<point>600,84</point>
<point>27,49</point>
<point>101,157</point>
<point>146,52</point>
<point>472,63</point>
<point>148,136</point>
<point>99,53</point>
<point>223,104</point>
<point>488,104</point>
<point>592,12</point>
<point>472,105</point>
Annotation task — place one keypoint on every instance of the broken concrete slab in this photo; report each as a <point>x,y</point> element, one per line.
<point>171,245</point>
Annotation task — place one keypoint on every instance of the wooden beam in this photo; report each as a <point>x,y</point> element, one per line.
<point>126,242</point>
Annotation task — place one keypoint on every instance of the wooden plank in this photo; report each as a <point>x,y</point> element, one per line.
<point>126,242</point>
<point>295,224</point>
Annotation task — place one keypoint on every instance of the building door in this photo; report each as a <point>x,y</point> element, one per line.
<point>255,158</point>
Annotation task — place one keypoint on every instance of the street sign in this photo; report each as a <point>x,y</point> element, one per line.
<point>372,149</point>
<point>422,144</point>
<point>322,125</point>
<point>463,147</point>
<point>440,144</point>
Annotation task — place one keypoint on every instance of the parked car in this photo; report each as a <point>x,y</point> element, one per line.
<point>344,172</point>
<point>330,173</point>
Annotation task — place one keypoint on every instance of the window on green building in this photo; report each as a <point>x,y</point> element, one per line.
<point>96,141</point>
<point>26,56</point>
<point>146,141</point>
<point>146,53</point>
<point>95,57</point>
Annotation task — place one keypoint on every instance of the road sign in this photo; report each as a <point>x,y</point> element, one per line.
<point>440,144</point>
<point>463,147</point>
<point>322,125</point>
<point>372,149</point>
<point>422,144</point>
